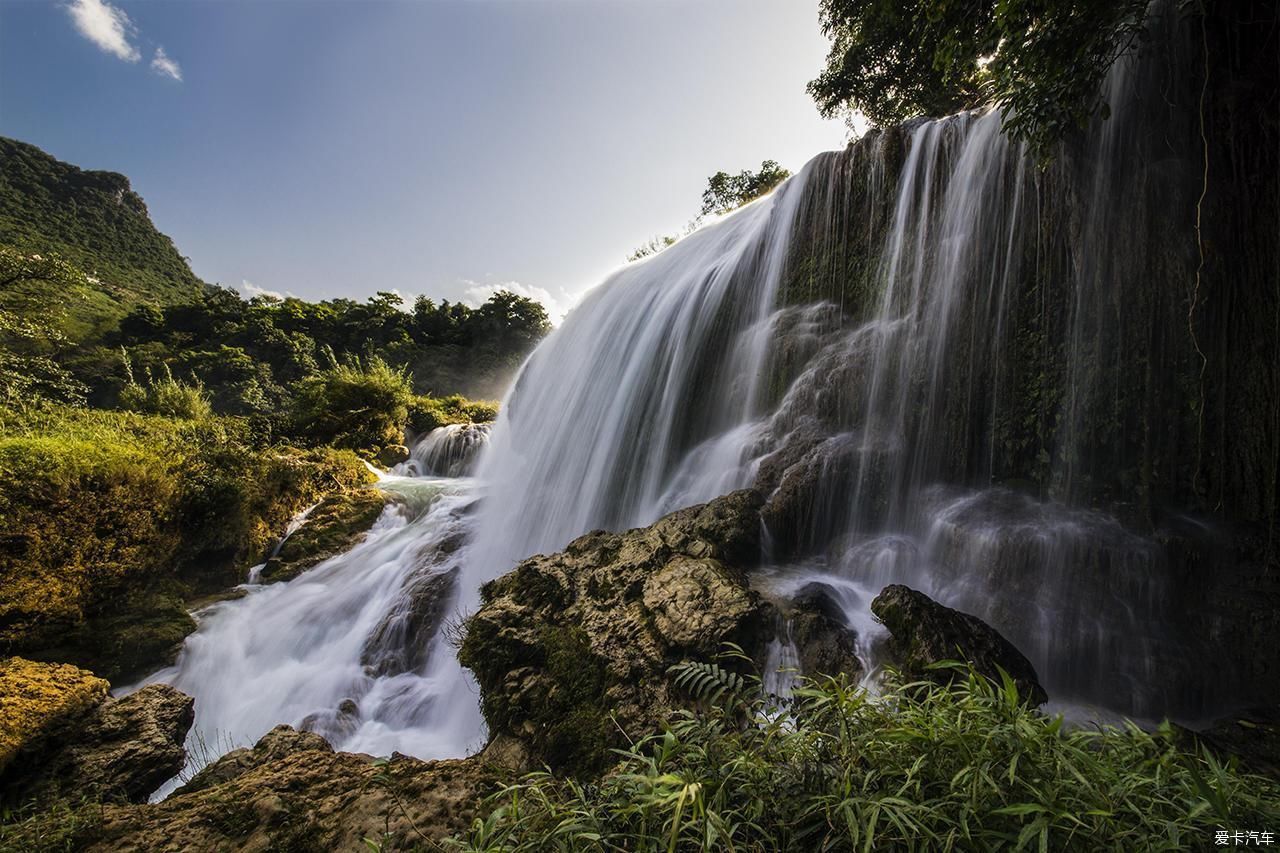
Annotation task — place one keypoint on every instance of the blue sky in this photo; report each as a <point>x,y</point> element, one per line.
<point>339,148</point>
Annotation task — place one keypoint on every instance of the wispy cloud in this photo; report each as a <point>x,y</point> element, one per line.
<point>251,290</point>
<point>477,294</point>
<point>163,64</point>
<point>110,29</point>
<point>106,26</point>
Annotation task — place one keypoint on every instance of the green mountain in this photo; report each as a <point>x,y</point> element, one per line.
<point>98,223</point>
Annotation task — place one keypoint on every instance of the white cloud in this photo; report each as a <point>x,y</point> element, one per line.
<point>162,63</point>
<point>106,26</point>
<point>251,290</point>
<point>477,294</point>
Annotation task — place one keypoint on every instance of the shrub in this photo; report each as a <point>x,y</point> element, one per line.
<point>358,405</point>
<point>166,396</point>
<point>428,413</point>
<point>922,767</point>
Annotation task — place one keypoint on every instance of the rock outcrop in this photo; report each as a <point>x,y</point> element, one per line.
<point>572,649</point>
<point>62,735</point>
<point>925,632</point>
<point>293,792</point>
<point>38,701</point>
<point>336,525</point>
<point>825,644</point>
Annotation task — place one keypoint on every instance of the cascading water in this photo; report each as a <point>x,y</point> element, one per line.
<point>877,344</point>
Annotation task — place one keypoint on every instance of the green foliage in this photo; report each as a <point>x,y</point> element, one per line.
<point>727,192</point>
<point>94,221</point>
<point>359,404</point>
<point>652,247</point>
<point>165,396</point>
<point>1041,62</point>
<point>922,767</point>
<point>428,413</point>
<point>64,826</point>
<point>254,354</point>
<point>110,519</point>
<point>724,193</point>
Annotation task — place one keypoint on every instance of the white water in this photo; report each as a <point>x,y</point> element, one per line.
<point>640,403</point>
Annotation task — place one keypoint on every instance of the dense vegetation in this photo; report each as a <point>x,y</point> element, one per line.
<point>112,520</point>
<point>96,222</point>
<point>921,768</point>
<point>157,433</point>
<point>1041,62</point>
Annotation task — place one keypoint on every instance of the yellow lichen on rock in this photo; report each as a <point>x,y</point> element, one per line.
<point>37,698</point>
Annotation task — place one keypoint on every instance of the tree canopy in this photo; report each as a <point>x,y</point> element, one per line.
<point>1041,62</point>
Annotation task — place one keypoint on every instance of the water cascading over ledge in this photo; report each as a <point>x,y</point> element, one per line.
<point>954,368</point>
<point>1018,389</point>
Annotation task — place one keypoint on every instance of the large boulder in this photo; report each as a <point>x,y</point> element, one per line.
<point>125,749</point>
<point>337,524</point>
<point>62,735</point>
<point>293,792</point>
<point>572,649</point>
<point>925,632</point>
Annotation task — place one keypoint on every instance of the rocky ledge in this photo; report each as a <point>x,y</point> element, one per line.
<point>63,736</point>
<point>337,524</point>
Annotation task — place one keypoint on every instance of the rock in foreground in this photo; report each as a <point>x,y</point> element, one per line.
<point>572,649</point>
<point>63,736</point>
<point>293,792</point>
<point>925,632</point>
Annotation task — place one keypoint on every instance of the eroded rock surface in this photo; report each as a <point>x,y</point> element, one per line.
<point>293,792</point>
<point>925,632</point>
<point>572,649</point>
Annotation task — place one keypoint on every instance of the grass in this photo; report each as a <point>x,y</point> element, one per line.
<point>922,768</point>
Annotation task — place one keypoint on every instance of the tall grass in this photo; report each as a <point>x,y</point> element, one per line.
<point>921,768</point>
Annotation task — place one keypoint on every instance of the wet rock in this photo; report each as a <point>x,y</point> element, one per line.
<point>123,749</point>
<point>337,524</point>
<point>38,701</point>
<point>392,454</point>
<point>925,632</point>
<point>276,744</point>
<point>402,641</point>
<point>1252,735</point>
<point>572,649</point>
<point>824,642</point>
<point>292,792</point>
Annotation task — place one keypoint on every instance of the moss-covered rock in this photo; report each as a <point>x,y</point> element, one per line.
<point>336,525</point>
<point>37,700</point>
<point>572,649</point>
<point>122,750</point>
<point>925,633</point>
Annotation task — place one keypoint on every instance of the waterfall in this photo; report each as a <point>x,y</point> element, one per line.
<point>946,367</point>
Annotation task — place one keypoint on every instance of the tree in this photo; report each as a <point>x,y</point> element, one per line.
<point>727,192</point>
<point>1040,62</point>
